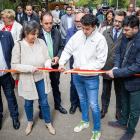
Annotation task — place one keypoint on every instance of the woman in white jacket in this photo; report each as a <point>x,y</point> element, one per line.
<point>8,18</point>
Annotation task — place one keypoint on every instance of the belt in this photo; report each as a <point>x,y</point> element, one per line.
<point>3,75</point>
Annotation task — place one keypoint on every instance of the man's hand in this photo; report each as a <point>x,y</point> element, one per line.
<point>76,69</point>
<point>110,73</point>
<point>55,61</point>
<point>115,68</point>
<point>34,69</point>
<point>61,67</point>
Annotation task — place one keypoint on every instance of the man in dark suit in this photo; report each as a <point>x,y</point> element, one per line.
<point>52,37</point>
<point>19,13</point>
<point>29,15</point>
<point>6,80</point>
<point>113,36</point>
<point>74,98</point>
<point>126,64</point>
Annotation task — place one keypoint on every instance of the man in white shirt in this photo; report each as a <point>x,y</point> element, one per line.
<point>56,20</point>
<point>89,49</point>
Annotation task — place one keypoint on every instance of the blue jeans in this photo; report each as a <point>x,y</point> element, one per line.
<point>42,102</point>
<point>87,88</point>
<point>56,26</point>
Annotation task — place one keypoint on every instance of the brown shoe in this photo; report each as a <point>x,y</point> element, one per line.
<point>29,128</point>
<point>103,112</point>
<point>118,114</point>
<point>51,129</point>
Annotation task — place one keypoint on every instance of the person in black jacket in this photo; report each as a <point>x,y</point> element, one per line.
<point>52,37</point>
<point>29,15</point>
<point>6,80</point>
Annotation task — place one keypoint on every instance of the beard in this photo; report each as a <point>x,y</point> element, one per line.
<point>79,27</point>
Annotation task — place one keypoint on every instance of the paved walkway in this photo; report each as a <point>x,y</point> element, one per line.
<point>64,124</point>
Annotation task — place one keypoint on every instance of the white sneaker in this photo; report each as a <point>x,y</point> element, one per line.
<point>96,135</point>
<point>81,126</point>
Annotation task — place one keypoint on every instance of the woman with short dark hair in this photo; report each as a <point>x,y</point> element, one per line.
<point>29,54</point>
<point>107,22</point>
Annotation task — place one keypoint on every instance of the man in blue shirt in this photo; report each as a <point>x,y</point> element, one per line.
<point>74,99</point>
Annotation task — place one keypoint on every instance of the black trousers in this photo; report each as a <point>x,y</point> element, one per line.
<point>8,84</point>
<point>55,87</point>
<point>106,93</point>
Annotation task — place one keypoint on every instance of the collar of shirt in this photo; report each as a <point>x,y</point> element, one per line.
<point>45,35</point>
<point>119,31</point>
<point>68,16</point>
<point>23,40</point>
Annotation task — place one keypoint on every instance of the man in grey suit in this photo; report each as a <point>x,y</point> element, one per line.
<point>113,36</point>
<point>67,21</point>
<point>56,20</point>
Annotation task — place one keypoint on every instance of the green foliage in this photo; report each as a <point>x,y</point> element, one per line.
<point>9,5</point>
<point>91,3</point>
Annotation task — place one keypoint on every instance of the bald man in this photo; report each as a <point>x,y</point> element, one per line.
<point>131,8</point>
<point>74,99</point>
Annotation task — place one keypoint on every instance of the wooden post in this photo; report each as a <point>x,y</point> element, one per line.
<point>132,2</point>
<point>47,3</point>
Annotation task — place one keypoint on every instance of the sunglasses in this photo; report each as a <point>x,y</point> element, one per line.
<point>105,10</point>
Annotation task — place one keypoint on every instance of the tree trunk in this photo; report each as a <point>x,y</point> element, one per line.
<point>132,2</point>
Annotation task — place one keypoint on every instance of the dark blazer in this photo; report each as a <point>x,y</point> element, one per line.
<point>70,32</point>
<point>57,43</point>
<point>16,18</point>
<point>131,65</point>
<point>112,47</point>
<point>33,17</point>
<point>7,44</point>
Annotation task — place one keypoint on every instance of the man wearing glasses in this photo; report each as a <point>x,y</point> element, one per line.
<point>113,36</point>
<point>102,16</point>
<point>74,99</point>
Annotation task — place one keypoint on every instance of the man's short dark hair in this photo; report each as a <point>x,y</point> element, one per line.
<point>131,21</point>
<point>45,13</point>
<point>65,4</point>
<point>89,19</point>
<point>43,7</point>
<point>56,5</point>
<point>86,5</point>
<point>69,7</point>
<point>120,13</point>
<point>18,6</point>
<point>28,5</point>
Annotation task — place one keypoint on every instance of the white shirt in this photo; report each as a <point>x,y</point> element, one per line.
<point>57,13</point>
<point>18,15</point>
<point>29,18</point>
<point>3,64</point>
<point>114,32</point>
<point>45,35</point>
<point>69,21</point>
<point>89,53</point>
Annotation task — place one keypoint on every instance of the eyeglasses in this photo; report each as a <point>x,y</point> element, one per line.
<point>105,10</point>
<point>77,21</point>
<point>120,22</point>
